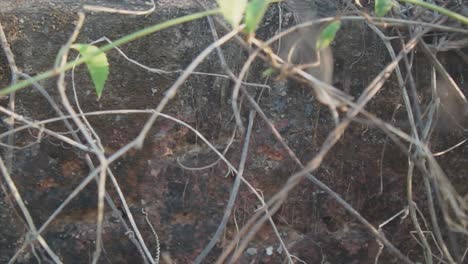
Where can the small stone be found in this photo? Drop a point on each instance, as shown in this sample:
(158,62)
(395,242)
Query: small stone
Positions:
(269,250)
(279,250)
(251,251)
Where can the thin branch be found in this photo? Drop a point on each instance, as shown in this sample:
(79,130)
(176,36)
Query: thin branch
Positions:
(141,245)
(36,125)
(95,8)
(161,71)
(439,9)
(232,196)
(443,152)
(25,211)
(11,104)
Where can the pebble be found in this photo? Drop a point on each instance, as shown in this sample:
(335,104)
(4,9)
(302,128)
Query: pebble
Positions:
(269,250)
(251,251)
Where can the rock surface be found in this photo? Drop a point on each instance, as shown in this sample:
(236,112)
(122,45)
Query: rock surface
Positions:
(186,206)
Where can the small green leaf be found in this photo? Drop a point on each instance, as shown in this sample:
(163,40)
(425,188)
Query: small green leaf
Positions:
(382,7)
(327,35)
(232,10)
(254,14)
(269,72)
(98,66)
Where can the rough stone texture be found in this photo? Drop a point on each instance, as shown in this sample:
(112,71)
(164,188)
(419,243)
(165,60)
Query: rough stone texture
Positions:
(186,206)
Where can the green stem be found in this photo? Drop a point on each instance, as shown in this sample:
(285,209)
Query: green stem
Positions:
(126,39)
(439,9)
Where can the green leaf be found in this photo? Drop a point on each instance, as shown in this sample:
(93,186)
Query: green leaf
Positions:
(269,72)
(98,66)
(382,7)
(327,35)
(254,14)
(232,10)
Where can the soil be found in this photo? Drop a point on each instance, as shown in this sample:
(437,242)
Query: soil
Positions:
(186,206)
